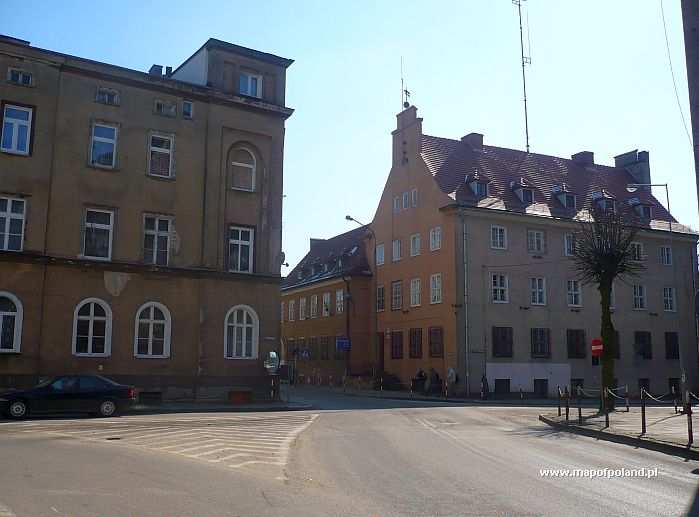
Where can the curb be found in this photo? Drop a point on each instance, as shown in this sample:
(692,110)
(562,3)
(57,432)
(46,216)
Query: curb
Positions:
(470,402)
(232,409)
(664,447)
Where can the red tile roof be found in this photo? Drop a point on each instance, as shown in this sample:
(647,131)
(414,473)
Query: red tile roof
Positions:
(348,246)
(451,161)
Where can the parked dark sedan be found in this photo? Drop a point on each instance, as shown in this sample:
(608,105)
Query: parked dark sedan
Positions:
(69,394)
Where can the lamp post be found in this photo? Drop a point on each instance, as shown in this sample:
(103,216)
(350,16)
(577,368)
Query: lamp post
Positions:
(374,279)
(633,187)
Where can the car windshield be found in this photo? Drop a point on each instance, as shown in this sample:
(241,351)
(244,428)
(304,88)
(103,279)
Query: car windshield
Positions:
(45,382)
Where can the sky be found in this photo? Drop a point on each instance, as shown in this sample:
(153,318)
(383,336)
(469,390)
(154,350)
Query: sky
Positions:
(599,81)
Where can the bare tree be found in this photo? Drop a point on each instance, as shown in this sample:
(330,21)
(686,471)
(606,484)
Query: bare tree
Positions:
(604,253)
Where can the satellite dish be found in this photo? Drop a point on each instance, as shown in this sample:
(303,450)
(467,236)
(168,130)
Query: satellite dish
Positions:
(272,362)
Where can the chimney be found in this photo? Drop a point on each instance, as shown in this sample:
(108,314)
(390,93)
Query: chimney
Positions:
(315,242)
(407,138)
(168,71)
(475,140)
(584,158)
(156,70)
(637,163)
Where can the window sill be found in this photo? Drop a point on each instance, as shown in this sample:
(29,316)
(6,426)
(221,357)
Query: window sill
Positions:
(500,301)
(538,305)
(435,303)
(8,351)
(240,358)
(141,356)
(238,189)
(97,166)
(90,355)
(14,153)
(161,178)
(240,272)
(97,259)
(436,249)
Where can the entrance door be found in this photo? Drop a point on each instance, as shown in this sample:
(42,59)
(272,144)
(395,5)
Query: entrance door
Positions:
(541,388)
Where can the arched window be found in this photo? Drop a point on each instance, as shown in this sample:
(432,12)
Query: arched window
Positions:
(241,333)
(11,313)
(243,168)
(152,332)
(92,328)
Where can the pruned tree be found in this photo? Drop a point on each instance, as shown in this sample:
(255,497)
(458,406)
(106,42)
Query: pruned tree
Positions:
(603,254)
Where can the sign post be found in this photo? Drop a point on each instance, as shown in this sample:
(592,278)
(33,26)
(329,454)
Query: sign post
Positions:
(597,349)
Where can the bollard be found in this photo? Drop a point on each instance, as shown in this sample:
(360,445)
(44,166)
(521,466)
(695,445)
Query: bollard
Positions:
(521,394)
(690,430)
(643,413)
(381,387)
(567,406)
(606,407)
(627,398)
(580,420)
(446,390)
(559,401)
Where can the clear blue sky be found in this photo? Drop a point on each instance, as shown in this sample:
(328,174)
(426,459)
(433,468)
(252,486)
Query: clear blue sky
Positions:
(599,81)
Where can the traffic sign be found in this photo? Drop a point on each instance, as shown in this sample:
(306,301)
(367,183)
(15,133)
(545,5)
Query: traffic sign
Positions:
(597,347)
(342,343)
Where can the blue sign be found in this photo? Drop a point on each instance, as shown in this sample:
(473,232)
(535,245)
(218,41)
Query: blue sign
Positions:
(342,343)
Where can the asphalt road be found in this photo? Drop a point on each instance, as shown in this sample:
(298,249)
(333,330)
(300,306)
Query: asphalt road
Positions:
(353,456)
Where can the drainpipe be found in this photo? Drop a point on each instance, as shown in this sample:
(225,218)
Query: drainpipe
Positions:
(467,344)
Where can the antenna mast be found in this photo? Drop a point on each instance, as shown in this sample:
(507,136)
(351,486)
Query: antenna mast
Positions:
(526,60)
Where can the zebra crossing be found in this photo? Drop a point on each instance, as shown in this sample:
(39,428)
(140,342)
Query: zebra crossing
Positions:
(233,441)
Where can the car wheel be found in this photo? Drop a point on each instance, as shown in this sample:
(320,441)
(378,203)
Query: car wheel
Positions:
(107,408)
(18,409)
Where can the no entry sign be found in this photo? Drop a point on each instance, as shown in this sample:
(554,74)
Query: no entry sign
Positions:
(597,347)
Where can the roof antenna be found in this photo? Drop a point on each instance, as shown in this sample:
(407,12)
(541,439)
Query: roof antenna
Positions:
(404,93)
(526,60)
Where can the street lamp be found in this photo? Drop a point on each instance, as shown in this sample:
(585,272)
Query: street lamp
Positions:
(633,187)
(375,280)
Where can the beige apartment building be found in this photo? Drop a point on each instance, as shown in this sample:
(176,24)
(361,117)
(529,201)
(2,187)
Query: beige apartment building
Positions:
(140,217)
(474,272)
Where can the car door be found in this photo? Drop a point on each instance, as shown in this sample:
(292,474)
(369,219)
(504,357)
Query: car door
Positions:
(58,397)
(91,393)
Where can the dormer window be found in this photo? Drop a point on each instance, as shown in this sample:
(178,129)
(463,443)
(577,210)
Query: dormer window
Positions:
(564,196)
(644,211)
(527,196)
(569,201)
(251,84)
(478,184)
(604,201)
(523,191)
(480,188)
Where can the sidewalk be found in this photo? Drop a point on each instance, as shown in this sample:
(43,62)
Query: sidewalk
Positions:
(203,406)
(665,430)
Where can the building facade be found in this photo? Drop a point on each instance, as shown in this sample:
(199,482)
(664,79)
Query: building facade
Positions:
(474,270)
(140,217)
(326,298)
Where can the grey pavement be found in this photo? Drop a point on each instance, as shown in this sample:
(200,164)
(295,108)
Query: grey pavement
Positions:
(349,456)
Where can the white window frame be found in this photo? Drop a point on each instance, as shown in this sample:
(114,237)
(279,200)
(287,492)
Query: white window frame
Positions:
(395,250)
(339,301)
(397,294)
(255,333)
(107,328)
(191,110)
(639,297)
(292,310)
(302,309)
(170,152)
(19,317)
(165,108)
(666,255)
(16,123)
(574,292)
(536,241)
(435,238)
(8,215)
(157,233)
(415,292)
(98,226)
(496,242)
(167,332)
(314,306)
(251,249)
(325,309)
(569,244)
(250,75)
(537,291)
(413,197)
(435,288)
(669,299)
(253,170)
(500,291)
(101,90)
(415,245)
(380,254)
(530,194)
(637,251)
(21,73)
(396,204)
(113,141)
(406,200)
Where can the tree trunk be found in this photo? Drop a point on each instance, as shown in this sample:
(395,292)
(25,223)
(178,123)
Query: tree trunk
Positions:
(608,340)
